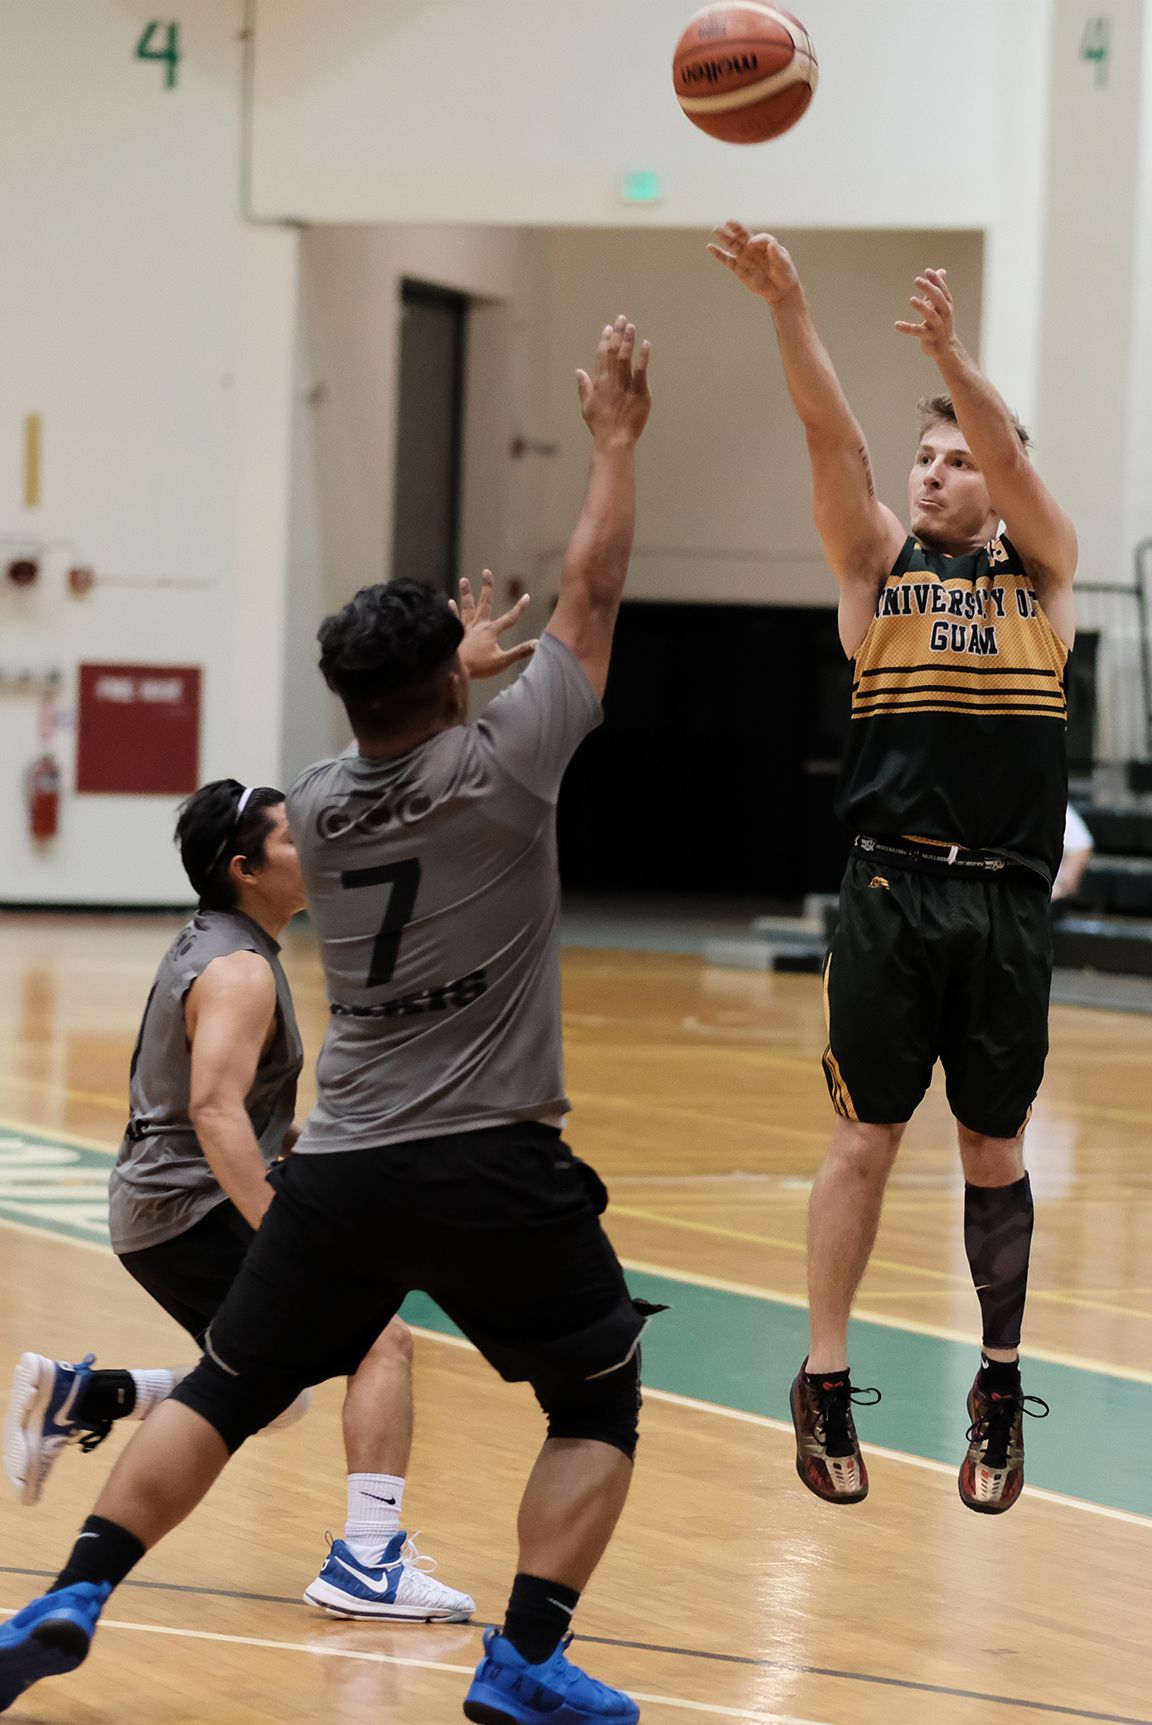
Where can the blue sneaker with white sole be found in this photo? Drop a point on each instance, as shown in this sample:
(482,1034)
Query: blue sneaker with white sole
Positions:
(402,1589)
(41,1420)
(49,1637)
(506,1690)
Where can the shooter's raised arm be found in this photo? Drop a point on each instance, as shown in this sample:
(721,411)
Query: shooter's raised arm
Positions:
(1033,520)
(861,537)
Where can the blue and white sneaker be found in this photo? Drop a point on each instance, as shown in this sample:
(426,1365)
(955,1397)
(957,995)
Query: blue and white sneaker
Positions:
(41,1419)
(506,1690)
(402,1590)
(49,1637)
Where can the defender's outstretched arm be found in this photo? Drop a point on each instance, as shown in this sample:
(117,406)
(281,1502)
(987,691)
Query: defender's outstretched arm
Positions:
(615,403)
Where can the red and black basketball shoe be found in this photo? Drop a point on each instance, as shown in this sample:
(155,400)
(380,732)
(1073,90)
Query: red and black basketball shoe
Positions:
(992,1473)
(828,1457)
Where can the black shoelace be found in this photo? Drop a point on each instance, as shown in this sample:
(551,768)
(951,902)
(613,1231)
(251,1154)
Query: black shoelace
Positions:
(94,1436)
(834,1427)
(995,1430)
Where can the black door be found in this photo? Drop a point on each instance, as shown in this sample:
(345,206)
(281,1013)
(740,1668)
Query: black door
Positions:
(426,518)
(715,768)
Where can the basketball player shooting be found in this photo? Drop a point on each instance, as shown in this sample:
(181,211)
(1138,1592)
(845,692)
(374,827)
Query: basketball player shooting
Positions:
(953,786)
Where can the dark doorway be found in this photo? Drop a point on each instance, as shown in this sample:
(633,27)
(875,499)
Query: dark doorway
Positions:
(426,518)
(715,768)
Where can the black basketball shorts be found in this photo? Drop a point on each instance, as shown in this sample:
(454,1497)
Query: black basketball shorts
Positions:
(501,1227)
(926,967)
(191,1274)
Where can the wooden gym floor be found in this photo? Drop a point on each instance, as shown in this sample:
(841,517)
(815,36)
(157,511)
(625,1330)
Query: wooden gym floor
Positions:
(730,1593)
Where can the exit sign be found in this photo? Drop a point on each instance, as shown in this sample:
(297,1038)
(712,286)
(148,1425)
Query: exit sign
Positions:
(642,186)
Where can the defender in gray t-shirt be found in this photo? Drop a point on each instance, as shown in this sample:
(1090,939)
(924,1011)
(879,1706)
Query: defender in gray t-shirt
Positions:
(163,1183)
(433,1159)
(433,892)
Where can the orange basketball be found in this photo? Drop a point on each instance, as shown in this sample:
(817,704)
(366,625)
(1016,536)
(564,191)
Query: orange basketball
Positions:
(744,72)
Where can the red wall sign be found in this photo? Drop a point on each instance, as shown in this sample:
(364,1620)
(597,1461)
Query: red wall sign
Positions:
(138,729)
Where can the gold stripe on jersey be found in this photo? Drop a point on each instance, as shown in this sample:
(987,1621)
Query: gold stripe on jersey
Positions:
(976,641)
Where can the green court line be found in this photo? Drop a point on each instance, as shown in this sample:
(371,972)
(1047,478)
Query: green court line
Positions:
(742,1351)
(737,1350)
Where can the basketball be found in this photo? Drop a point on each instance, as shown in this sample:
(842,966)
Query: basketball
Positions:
(744,73)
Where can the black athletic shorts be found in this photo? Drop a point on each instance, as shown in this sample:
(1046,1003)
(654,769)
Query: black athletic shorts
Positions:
(501,1227)
(926,967)
(191,1274)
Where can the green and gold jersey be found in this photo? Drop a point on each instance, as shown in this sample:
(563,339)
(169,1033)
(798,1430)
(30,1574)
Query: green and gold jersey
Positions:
(959,709)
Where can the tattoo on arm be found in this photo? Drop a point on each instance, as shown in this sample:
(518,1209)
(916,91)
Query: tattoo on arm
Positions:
(867,470)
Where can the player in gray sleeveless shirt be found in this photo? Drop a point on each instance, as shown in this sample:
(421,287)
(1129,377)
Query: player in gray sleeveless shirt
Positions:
(433,1159)
(212,1101)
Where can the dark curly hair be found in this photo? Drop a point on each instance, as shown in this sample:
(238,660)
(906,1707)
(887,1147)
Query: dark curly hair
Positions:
(210,835)
(386,652)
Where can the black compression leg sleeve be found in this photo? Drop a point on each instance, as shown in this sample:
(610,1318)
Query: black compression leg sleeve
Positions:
(235,1407)
(606,1409)
(998,1240)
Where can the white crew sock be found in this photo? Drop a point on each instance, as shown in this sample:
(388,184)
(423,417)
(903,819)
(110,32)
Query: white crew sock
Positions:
(374,1504)
(154,1387)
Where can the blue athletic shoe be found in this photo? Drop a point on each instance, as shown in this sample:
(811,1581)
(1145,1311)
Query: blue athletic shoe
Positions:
(49,1637)
(506,1690)
(41,1420)
(402,1589)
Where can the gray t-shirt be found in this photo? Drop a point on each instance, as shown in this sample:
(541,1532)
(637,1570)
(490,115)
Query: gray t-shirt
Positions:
(434,896)
(162,1184)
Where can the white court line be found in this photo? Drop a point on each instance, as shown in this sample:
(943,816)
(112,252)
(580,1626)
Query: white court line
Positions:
(319,1651)
(768,1424)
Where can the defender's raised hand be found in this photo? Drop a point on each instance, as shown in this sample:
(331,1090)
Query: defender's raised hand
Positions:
(615,400)
(758,260)
(480,651)
(936,333)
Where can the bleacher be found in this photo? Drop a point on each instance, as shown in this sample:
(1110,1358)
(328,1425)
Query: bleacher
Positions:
(1108,925)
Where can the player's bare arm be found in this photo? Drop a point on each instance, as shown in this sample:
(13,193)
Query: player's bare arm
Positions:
(480,651)
(230,1015)
(1036,524)
(615,403)
(860,535)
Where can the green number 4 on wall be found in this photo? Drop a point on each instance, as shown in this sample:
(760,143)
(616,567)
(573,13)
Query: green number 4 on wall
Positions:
(169,53)
(1096,46)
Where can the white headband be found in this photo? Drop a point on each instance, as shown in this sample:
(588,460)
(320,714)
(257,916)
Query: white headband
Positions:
(241,805)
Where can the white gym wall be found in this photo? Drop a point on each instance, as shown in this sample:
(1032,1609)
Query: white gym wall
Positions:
(218,391)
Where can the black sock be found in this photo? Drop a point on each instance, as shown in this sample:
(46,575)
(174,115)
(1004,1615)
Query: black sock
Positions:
(107,1396)
(998,1241)
(539,1616)
(999,1375)
(826,1380)
(104,1551)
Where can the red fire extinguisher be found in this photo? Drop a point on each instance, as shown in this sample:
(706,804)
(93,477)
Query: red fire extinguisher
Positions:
(43,783)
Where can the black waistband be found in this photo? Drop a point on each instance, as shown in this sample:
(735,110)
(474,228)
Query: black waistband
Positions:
(942,859)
